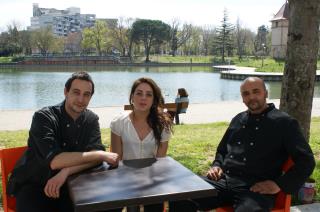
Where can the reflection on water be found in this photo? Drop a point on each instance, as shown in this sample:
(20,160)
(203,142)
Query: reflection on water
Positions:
(31,89)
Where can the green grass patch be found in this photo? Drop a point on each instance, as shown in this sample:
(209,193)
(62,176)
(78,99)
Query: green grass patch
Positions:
(175,59)
(5,59)
(192,145)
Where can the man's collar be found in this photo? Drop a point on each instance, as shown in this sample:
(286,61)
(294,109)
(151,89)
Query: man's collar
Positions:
(266,110)
(67,116)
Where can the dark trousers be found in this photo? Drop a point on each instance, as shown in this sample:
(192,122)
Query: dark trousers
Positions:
(231,192)
(31,198)
(146,208)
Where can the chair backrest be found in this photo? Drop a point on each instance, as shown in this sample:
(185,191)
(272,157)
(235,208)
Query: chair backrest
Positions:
(283,200)
(9,158)
(182,105)
(169,106)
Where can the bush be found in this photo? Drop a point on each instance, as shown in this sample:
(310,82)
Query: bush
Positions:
(17,59)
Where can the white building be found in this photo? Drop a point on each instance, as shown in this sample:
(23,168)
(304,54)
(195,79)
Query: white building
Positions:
(279,32)
(62,21)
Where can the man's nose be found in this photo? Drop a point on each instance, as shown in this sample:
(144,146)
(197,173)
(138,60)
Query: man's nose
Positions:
(252,96)
(80,98)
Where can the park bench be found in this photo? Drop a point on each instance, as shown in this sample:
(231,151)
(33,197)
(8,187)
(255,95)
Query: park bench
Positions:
(171,108)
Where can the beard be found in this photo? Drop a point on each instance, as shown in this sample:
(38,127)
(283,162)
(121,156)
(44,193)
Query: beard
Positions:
(255,105)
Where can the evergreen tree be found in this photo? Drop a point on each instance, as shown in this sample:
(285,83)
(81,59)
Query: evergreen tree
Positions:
(224,39)
(260,41)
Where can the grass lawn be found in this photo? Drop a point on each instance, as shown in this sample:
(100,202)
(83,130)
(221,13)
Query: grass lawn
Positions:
(5,59)
(192,145)
(269,64)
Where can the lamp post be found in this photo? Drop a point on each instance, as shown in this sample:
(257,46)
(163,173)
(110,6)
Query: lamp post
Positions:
(263,51)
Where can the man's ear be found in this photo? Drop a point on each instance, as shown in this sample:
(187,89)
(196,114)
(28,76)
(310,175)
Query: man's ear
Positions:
(267,94)
(65,92)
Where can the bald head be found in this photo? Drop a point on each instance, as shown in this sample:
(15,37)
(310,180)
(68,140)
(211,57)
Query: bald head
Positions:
(254,94)
(253,80)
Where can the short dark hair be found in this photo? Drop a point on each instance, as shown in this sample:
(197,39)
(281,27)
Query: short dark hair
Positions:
(81,75)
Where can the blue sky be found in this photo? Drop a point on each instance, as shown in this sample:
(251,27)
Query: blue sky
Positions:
(252,13)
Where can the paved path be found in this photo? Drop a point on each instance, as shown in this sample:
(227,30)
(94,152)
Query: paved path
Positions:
(196,113)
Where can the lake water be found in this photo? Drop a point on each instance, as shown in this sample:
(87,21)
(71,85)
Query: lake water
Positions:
(31,89)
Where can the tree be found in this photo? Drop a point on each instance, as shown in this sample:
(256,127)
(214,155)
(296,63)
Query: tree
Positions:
(121,35)
(150,32)
(4,50)
(261,39)
(208,34)
(43,39)
(179,37)
(96,37)
(240,39)
(193,45)
(26,41)
(13,43)
(224,41)
(72,43)
(300,69)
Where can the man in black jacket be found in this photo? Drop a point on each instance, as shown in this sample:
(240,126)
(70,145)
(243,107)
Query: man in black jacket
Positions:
(247,168)
(63,139)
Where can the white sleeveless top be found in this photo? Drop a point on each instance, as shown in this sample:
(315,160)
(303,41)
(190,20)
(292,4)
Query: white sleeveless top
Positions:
(132,146)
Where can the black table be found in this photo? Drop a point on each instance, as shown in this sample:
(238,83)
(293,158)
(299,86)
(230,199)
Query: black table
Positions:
(135,182)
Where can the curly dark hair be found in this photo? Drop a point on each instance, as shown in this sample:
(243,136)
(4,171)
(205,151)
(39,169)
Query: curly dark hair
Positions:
(157,118)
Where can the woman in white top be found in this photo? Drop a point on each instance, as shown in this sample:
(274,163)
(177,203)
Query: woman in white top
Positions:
(144,132)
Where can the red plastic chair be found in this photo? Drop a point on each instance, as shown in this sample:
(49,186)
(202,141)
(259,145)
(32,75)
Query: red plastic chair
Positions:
(283,200)
(9,158)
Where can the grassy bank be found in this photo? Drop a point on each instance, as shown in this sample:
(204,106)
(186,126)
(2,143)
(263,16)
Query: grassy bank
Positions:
(192,145)
(269,64)
(5,59)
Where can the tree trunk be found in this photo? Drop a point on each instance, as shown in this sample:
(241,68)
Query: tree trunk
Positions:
(147,54)
(300,69)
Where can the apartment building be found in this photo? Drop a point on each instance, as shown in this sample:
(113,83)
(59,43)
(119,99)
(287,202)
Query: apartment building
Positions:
(62,22)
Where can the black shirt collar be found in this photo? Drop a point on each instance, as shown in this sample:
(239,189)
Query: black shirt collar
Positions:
(67,117)
(263,113)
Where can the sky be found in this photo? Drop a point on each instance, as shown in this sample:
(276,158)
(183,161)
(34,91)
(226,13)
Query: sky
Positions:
(251,13)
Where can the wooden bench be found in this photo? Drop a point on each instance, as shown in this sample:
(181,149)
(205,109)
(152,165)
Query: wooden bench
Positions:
(171,108)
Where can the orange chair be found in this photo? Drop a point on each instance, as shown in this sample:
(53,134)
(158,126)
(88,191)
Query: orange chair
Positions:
(283,200)
(9,158)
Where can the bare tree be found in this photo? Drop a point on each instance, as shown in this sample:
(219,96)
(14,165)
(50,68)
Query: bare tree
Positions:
(241,35)
(300,69)
(207,37)
(43,39)
(120,34)
(179,36)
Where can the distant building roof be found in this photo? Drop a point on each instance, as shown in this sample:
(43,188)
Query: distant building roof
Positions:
(283,13)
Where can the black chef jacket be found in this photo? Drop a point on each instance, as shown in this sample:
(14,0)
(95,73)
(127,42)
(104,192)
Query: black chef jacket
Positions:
(255,147)
(53,131)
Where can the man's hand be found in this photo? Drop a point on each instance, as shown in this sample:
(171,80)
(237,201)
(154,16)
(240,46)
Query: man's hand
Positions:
(52,188)
(265,187)
(111,158)
(214,173)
